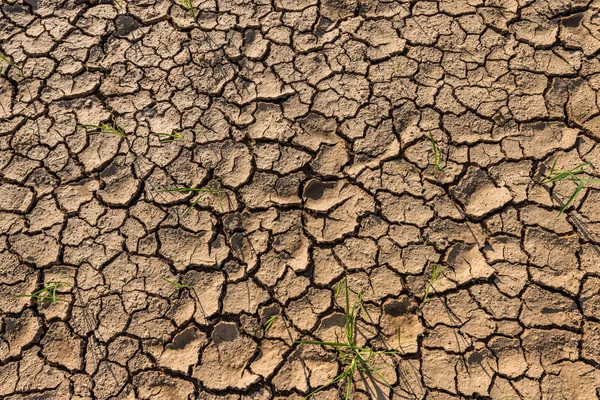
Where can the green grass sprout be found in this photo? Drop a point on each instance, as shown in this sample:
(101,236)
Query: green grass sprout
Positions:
(189,6)
(105,129)
(269,323)
(572,175)
(437,155)
(167,137)
(176,284)
(355,358)
(432,281)
(5,59)
(203,192)
(47,293)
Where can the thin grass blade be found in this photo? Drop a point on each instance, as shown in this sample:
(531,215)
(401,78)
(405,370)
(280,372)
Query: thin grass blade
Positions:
(573,196)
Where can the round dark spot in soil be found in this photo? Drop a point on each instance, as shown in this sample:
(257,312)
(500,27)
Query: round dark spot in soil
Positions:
(324,23)
(336,320)
(237,241)
(397,308)
(125,25)
(315,189)
(233,222)
(250,37)
(573,21)
(110,170)
(475,358)
(217,243)
(225,333)
(183,339)
(547,310)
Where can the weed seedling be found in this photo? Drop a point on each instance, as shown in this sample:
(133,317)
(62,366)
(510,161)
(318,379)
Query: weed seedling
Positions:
(105,129)
(355,358)
(47,293)
(437,156)
(6,60)
(270,322)
(167,137)
(202,193)
(176,284)
(432,281)
(562,175)
(189,6)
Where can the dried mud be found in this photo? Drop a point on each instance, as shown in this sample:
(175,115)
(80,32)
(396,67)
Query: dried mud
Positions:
(314,120)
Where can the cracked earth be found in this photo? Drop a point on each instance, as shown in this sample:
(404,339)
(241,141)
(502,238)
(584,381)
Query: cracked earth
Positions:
(313,120)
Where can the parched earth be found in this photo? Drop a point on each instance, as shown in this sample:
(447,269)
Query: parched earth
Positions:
(309,128)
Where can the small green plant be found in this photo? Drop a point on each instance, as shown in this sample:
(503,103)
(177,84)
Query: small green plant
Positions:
(432,281)
(229,35)
(270,322)
(202,131)
(189,6)
(48,292)
(355,358)
(204,191)
(10,63)
(572,175)
(167,137)
(105,129)
(176,284)
(437,156)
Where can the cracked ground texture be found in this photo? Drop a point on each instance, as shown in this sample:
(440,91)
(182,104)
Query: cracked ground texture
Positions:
(313,120)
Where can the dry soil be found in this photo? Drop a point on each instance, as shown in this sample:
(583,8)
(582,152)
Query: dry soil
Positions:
(312,121)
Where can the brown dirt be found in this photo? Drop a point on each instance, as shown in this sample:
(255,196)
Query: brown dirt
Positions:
(315,119)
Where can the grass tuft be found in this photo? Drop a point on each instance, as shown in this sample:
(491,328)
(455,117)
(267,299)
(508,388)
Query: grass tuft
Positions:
(105,129)
(189,6)
(572,175)
(6,60)
(202,193)
(47,293)
(432,281)
(269,323)
(355,358)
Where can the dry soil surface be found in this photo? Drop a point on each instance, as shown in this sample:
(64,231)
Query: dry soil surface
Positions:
(311,122)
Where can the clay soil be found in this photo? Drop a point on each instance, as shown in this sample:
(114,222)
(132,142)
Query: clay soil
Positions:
(308,129)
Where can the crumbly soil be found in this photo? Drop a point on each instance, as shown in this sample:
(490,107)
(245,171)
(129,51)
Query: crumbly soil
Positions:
(313,120)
